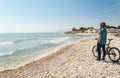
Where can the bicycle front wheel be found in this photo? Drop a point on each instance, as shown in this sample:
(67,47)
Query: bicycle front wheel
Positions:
(114,54)
(94,51)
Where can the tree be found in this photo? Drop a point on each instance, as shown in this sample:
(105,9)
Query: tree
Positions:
(118,27)
(114,27)
(82,28)
(107,27)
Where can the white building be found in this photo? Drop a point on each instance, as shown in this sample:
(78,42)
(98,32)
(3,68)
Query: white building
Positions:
(91,30)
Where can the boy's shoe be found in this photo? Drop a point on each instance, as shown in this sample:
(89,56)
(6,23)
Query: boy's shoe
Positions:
(103,59)
(97,59)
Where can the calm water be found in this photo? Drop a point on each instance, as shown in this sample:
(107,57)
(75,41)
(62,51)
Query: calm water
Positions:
(15,47)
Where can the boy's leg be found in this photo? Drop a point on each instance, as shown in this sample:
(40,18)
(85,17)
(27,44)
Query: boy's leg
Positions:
(99,51)
(104,52)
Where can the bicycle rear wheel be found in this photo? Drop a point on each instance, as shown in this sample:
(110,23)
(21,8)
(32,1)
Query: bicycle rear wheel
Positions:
(94,51)
(114,54)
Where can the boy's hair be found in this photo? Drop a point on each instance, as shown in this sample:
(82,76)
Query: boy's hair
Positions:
(103,24)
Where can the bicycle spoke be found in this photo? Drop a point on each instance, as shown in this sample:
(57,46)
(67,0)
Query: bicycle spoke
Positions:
(114,54)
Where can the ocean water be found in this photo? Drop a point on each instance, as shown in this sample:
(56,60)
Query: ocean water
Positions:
(19,48)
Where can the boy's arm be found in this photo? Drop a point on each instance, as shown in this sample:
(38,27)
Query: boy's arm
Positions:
(98,37)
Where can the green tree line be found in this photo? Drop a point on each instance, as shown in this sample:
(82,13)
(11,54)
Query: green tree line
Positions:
(109,27)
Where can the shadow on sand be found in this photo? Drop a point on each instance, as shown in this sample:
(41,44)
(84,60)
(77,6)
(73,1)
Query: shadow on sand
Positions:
(118,63)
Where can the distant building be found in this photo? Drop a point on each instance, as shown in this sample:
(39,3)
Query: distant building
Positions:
(91,30)
(73,29)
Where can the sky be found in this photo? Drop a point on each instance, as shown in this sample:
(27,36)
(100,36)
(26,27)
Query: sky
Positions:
(56,15)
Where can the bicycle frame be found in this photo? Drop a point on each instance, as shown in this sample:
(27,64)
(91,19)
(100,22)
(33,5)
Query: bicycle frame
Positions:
(108,46)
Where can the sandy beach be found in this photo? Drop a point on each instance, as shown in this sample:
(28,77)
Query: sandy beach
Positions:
(71,61)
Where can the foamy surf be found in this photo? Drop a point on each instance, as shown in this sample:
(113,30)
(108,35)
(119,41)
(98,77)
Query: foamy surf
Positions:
(56,40)
(7,53)
(6,43)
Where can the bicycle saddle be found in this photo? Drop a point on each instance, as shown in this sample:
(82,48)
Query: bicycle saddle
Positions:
(110,39)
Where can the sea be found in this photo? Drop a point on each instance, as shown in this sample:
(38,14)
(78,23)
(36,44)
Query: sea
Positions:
(17,49)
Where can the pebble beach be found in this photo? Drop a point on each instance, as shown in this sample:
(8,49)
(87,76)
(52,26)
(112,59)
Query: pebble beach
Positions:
(70,61)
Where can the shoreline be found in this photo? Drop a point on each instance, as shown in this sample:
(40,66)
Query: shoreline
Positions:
(66,60)
(48,54)
(41,55)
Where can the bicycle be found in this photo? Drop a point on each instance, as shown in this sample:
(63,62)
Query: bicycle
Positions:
(112,52)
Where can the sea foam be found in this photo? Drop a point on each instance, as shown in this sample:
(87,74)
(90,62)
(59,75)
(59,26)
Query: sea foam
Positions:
(55,40)
(7,53)
(6,43)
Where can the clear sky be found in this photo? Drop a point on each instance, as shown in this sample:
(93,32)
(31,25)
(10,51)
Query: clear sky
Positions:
(56,15)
